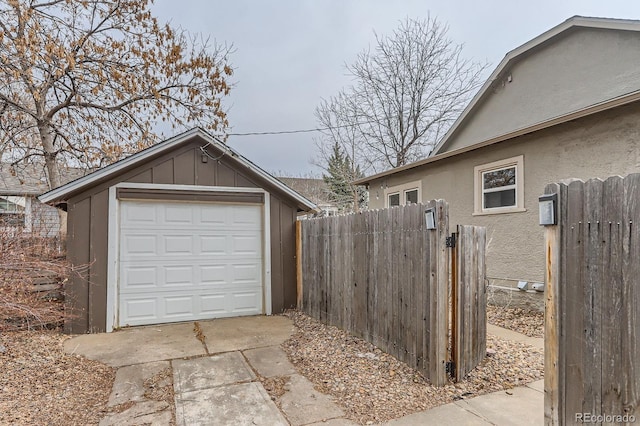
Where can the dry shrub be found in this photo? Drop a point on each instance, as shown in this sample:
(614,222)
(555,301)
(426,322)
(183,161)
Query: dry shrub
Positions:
(29,263)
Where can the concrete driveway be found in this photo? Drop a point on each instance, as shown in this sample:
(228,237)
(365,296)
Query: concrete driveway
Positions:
(216,368)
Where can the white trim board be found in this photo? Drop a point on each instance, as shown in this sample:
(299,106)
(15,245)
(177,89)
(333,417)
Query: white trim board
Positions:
(113,242)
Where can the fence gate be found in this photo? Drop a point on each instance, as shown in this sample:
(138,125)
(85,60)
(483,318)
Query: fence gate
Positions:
(592,309)
(468,299)
(383,275)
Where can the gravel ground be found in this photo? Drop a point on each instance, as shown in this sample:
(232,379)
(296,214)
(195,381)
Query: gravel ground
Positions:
(530,323)
(42,385)
(372,386)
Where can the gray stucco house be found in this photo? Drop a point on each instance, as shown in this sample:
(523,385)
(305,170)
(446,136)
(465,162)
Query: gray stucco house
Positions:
(564,105)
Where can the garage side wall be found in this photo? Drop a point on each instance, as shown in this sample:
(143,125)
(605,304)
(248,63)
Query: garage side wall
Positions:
(88,231)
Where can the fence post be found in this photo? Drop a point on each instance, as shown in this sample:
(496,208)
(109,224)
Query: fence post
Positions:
(552,341)
(299,287)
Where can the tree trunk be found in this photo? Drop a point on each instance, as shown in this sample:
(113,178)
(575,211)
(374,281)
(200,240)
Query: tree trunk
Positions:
(53,174)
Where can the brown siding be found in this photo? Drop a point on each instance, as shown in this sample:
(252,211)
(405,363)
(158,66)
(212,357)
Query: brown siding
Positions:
(78,223)
(184,170)
(88,227)
(98,256)
(163,172)
(277,288)
(288,234)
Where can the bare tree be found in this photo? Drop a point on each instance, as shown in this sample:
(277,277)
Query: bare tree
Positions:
(341,151)
(406,93)
(85,82)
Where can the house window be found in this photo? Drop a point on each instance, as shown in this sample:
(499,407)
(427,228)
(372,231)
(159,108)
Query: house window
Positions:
(399,195)
(499,186)
(12,210)
(411,196)
(394,199)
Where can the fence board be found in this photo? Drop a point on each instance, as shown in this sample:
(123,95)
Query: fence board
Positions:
(471,316)
(382,276)
(592,324)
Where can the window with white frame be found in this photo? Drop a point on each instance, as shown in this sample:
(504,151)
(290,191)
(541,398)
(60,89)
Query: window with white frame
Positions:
(12,210)
(399,195)
(499,186)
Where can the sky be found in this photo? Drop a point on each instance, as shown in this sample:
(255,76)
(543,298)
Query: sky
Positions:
(290,54)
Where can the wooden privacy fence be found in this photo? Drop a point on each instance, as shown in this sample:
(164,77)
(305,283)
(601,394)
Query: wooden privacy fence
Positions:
(384,277)
(592,320)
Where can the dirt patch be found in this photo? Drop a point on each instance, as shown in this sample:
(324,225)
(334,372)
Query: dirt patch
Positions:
(529,323)
(371,386)
(275,386)
(40,384)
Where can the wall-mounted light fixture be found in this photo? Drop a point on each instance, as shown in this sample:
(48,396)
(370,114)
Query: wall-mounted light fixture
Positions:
(548,205)
(430,218)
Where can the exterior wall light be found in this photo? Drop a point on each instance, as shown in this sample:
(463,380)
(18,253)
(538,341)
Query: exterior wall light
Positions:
(548,205)
(430,218)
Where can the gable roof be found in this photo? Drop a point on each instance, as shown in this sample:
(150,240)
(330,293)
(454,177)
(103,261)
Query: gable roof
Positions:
(63,192)
(526,49)
(571,24)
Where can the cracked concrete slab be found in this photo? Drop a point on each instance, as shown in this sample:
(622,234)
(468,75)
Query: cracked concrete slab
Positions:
(138,345)
(334,422)
(449,414)
(537,385)
(302,404)
(521,406)
(271,361)
(208,372)
(241,333)
(129,382)
(237,404)
(153,413)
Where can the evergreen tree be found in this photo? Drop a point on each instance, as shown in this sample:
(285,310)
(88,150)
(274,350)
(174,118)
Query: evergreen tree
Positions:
(341,172)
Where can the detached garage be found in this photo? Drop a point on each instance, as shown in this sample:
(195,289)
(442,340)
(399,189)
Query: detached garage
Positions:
(185,230)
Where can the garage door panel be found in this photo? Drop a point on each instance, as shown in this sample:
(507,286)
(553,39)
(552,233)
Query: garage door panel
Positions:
(213,244)
(140,310)
(139,277)
(244,302)
(192,261)
(177,213)
(245,245)
(178,244)
(178,276)
(245,274)
(178,306)
(214,215)
(140,213)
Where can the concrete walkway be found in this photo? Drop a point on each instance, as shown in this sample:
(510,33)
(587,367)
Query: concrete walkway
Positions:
(523,405)
(216,369)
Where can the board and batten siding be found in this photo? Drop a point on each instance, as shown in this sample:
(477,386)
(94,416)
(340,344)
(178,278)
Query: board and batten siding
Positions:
(88,228)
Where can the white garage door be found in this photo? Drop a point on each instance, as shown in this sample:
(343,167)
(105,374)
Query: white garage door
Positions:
(182,261)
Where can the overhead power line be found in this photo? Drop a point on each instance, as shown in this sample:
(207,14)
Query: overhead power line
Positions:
(286,132)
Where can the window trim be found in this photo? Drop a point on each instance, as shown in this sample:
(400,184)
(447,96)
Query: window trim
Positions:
(401,190)
(478,172)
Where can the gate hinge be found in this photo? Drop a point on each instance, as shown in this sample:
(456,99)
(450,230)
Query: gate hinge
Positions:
(450,368)
(451,241)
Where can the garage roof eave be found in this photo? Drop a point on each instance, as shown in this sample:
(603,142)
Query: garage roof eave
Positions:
(64,192)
